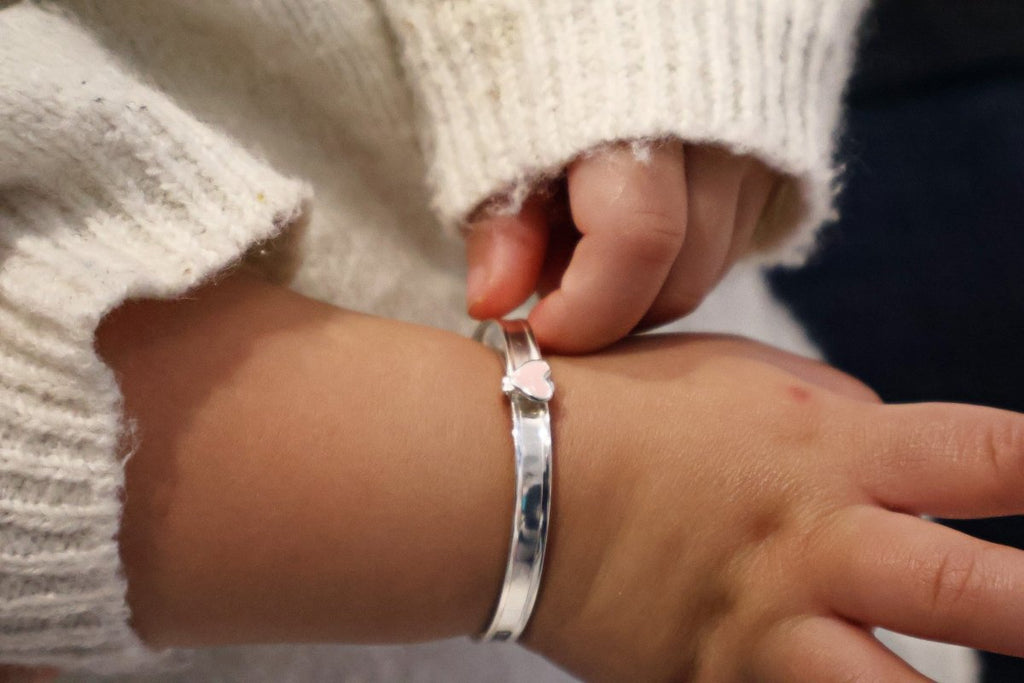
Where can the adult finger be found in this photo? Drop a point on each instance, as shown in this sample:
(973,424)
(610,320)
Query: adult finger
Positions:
(713,180)
(504,255)
(822,649)
(917,577)
(945,460)
(631,215)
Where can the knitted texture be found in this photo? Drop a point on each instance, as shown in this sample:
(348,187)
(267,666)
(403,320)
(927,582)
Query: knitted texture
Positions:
(317,88)
(513,90)
(116,185)
(107,191)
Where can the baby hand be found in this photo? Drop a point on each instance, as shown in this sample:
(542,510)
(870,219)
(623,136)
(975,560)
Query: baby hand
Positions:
(638,238)
(747,515)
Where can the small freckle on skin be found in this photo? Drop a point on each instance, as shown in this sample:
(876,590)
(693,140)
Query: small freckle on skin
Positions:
(798,394)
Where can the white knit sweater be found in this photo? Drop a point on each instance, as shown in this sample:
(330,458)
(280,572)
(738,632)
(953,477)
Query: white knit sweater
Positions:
(146,145)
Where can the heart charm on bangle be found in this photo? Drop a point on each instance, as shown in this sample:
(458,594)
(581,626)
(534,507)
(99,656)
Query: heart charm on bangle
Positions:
(532,379)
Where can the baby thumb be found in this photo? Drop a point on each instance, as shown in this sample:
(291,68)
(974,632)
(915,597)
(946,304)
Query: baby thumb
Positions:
(504,255)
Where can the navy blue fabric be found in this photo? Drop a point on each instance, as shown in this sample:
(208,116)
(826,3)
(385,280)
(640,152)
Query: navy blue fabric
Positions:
(919,289)
(915,44)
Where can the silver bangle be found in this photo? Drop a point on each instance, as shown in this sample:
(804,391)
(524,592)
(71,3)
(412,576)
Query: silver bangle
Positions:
(527,383)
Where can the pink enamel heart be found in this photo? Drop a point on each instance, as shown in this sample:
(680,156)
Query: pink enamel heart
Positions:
(533,379)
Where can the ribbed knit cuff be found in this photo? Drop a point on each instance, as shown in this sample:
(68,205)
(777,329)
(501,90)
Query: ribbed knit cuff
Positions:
(107,192)
(514,90)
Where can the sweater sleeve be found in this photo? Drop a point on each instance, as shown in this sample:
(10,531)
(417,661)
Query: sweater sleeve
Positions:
(107,191)
(511,91)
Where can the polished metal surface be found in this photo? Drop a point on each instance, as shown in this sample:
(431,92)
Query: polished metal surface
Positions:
(527,383)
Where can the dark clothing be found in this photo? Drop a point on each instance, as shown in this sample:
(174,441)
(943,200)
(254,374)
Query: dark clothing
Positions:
(912,45)
(919,288)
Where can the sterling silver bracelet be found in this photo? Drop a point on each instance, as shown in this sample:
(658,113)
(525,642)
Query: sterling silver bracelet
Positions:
(527,383)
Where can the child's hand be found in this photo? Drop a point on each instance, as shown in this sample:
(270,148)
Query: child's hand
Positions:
(638,241)
(727,512)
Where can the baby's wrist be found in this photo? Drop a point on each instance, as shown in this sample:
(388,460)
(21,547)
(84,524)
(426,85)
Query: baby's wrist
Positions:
(590,484)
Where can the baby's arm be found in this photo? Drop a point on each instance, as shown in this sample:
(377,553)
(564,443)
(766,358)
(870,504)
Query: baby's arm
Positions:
(522,96)
(308,474)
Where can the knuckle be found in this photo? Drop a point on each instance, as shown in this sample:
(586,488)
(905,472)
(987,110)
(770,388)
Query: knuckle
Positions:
(1002,445)
(653,237)
(953,580)
(831,529)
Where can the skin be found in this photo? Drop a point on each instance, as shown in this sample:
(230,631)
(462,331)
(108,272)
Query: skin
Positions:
(722,511)
(19,674)
(625,244)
